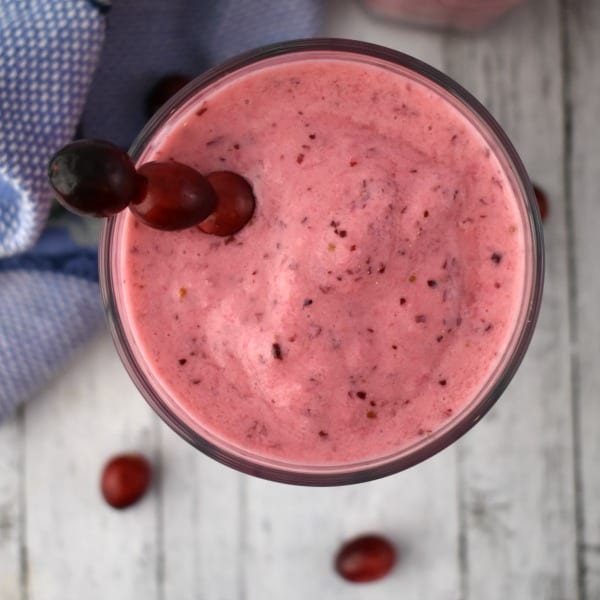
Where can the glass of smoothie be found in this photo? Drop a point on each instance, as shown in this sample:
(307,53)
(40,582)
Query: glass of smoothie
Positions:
(468,15)
(383,293)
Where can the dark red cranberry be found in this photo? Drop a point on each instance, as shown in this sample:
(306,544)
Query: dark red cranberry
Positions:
(125,479)
(164,88)
(176,196)
(78,135)
(365,558)
(542,201)
(235,204)
(93,178)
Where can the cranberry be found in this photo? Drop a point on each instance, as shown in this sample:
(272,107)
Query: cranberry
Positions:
(176,196)
(163,90)
(235,204)
(542,201)
(125,479)
(365,558)
(94,178)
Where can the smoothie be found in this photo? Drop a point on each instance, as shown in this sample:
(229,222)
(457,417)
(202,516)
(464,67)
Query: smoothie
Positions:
(460,14)
(373,293)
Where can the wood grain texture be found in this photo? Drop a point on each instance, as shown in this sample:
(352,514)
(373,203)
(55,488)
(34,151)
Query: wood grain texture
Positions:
(77,546)
(518,462)
(12,524)
(582,96)
(203,524)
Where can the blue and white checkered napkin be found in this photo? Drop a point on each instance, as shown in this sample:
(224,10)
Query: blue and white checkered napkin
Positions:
(49,297)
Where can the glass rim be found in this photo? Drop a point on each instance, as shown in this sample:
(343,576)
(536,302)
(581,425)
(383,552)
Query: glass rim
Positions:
(452,430)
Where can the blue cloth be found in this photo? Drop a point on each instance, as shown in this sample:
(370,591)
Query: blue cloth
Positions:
(70,62)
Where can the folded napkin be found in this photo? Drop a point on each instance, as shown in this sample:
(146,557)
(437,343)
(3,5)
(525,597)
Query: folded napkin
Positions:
(65,63)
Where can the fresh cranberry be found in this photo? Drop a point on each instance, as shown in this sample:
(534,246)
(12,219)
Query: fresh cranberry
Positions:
(176,196)
(165,88)
(365,558)
(542,201)
(125,479)
(235,204)
(94,178)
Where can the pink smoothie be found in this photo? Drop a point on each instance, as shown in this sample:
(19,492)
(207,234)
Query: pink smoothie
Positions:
(375,288)
(462,14)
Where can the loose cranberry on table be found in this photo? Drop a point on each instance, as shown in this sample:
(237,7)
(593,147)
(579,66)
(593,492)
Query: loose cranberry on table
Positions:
(542,201)
(165,88)
(366,558)
(125,479)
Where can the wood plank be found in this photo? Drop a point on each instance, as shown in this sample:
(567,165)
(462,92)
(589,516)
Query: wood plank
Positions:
(517,465)
(12,569)
(78,547)
(583,175)
(204,510)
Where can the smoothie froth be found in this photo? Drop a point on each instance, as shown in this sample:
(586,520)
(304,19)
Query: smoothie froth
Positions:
(373,292)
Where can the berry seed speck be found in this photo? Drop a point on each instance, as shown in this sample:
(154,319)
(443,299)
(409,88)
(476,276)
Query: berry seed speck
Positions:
(276,351)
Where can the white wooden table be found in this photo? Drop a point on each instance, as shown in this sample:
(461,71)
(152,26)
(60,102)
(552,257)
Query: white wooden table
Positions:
(510,512)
